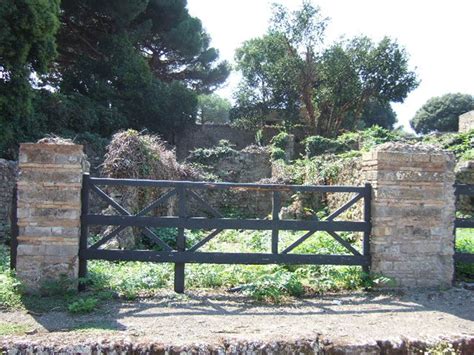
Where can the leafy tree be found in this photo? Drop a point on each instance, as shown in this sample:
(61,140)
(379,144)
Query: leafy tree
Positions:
(441,113)
(213,108)
(378,113)
(267,86)
(27,45)
(137,63)
(357,74)
(288,71)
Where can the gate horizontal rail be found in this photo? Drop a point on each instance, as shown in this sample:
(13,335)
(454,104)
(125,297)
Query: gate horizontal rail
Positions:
(185,191)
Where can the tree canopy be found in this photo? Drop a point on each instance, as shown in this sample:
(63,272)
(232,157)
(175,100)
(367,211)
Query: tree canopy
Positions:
(27,43)
(119,64)
(213,109)
(289,72)
(442,113)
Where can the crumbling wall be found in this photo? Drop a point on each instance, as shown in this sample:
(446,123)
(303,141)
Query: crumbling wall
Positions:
(8,173)
(465,175)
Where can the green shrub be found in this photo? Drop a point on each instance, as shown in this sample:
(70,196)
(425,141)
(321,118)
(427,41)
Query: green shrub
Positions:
(376,135)
(280,140)
(465,244)
(277,154)
(10,286)
(10,291)
(83,305)
(64,286)
(206,156)
(274,287)
(317,145)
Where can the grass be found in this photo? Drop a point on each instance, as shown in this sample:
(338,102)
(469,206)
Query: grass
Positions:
(12,329)
(132,280)
(465,244)
(260,282)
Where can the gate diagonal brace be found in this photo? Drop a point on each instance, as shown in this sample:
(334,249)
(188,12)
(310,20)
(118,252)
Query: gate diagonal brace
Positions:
(147,232)
(345,207)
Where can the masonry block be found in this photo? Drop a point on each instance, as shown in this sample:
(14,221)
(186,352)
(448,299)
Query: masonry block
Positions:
(49,210)
(413,212)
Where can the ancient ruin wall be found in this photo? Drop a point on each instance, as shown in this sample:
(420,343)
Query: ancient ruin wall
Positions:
(8,171)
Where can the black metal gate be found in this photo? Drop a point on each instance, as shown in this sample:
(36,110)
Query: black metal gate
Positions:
(463,190)
(184,192)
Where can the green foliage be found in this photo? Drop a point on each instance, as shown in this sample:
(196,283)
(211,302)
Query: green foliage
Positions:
(376,135)
(278,146)
(206,156)
(375,113)
(280,140)
(12,329)
(461,144)
(28,33)
(27,44)
(465,244)
(10,291)
(277,153)
(122,64)
(10,286)
(273,287)
(62,286)
(317,145)
(83,305)
(441,113)
(213,109)
(288,75)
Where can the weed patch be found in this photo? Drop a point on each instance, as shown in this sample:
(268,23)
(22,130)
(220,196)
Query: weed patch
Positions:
(12,329)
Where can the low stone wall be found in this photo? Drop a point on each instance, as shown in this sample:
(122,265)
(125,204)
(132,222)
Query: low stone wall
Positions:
(250,164)
(466,122)
(8,172)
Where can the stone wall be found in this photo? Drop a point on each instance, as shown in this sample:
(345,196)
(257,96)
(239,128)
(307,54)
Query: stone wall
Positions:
(208,135)
(49,209)
(466,122)
(8,171)
(412,213)
(249,165)
(465,175)
(350,174)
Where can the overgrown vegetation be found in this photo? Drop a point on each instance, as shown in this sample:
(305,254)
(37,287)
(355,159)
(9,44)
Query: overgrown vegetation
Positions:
(465,244)
(206,156)
(461,144)
(279,145)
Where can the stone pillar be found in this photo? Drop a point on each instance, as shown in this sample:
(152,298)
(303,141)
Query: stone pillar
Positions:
(49,210)
(412,213)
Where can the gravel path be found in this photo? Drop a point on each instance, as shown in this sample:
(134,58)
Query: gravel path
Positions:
(199,317)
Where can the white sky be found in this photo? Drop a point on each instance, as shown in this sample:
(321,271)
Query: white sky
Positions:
(437,34)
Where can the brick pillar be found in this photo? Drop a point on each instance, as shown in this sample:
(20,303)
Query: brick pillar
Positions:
(49,210)
(412,213)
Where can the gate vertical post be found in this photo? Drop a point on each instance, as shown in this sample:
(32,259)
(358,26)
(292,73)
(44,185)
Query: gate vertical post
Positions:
(367,219)
(276,206)
(180,242)
(49,209)
(413,213)
(84,230)
(14,230)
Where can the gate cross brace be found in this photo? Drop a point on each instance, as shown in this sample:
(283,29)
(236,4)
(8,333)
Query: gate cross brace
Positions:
(144,211)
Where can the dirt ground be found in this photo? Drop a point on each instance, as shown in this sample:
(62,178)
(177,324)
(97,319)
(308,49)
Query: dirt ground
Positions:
(200,317)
